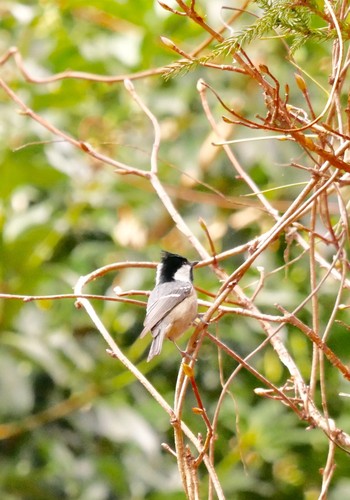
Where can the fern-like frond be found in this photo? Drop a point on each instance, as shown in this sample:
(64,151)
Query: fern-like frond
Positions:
(292,18)
(180,68)
(314,36)
(284,16)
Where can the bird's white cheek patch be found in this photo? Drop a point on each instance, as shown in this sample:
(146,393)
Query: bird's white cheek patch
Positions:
(183,274)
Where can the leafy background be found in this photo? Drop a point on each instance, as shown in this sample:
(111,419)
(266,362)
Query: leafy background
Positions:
(75,423)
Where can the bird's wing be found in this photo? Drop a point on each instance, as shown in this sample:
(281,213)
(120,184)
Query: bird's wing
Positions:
(160,303)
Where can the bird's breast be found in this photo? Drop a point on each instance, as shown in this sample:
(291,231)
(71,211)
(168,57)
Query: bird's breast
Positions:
(180,318)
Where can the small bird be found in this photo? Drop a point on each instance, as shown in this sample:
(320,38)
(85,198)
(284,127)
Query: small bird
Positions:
(172,305)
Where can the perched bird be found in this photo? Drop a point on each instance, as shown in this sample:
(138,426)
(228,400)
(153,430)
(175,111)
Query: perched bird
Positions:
(172,304)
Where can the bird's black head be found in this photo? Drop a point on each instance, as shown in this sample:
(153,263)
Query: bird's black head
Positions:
(174,267)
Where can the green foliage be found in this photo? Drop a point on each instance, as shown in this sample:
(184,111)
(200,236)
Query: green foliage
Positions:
(283,18)
(288,19)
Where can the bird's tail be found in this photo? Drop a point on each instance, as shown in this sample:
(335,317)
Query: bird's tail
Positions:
(156,346)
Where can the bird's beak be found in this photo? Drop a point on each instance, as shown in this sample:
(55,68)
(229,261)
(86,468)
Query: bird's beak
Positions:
(194,263)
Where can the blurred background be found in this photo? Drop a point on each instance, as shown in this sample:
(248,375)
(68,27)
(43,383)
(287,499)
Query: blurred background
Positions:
(74,423)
